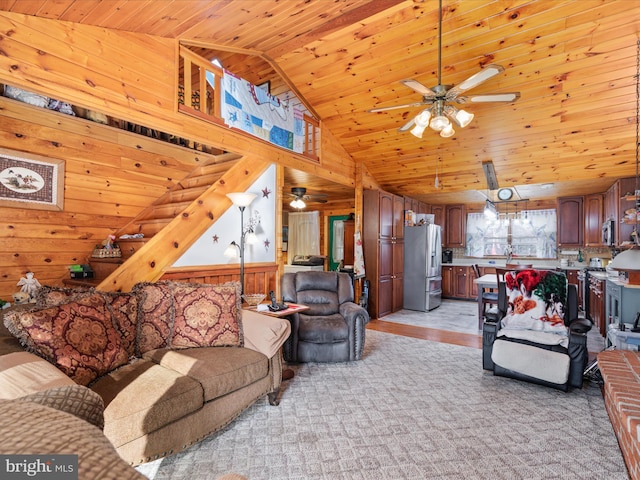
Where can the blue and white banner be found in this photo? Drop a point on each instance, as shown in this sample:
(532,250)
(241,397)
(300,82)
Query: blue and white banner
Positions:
(255,111)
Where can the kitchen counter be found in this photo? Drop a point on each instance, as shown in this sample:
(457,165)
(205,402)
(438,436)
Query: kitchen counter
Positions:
(539,264)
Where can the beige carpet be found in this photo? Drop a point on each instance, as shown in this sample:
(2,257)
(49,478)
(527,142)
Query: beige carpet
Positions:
(411,409)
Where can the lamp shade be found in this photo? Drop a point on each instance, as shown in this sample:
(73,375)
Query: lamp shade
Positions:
(464,118)
(241,199)
(447,132)
(439,122)
(418,130)
(232,250)
(628,262)
(298,203)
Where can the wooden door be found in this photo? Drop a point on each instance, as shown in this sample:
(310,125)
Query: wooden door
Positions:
(398,217)
(386,221)
(438,215)
(571,221)
(447,282)
(593,218)
(460,279)
(455,221)
(398,275)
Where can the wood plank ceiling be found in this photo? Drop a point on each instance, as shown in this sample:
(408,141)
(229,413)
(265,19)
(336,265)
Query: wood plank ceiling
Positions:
(573,61)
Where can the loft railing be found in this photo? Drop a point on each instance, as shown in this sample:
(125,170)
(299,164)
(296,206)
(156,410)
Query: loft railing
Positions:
(197,75)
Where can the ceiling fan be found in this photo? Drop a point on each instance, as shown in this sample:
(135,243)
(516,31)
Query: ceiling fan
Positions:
(439,113)
(299,195)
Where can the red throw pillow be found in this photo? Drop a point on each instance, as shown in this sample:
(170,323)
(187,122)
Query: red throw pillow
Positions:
(77,337)
(207,315)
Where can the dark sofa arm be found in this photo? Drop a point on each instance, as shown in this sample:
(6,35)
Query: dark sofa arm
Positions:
(489,333)
(356,318)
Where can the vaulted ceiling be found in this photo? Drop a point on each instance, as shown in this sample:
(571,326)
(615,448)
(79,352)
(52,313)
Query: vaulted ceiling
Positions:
(573,62)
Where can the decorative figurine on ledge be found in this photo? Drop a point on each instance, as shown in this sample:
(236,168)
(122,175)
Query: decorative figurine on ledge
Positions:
(30,286)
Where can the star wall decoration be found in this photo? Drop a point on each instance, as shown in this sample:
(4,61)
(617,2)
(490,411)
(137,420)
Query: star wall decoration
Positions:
(265,192)
(215,238)
(266,244)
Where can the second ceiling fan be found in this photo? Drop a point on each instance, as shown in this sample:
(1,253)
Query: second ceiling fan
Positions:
(440,114)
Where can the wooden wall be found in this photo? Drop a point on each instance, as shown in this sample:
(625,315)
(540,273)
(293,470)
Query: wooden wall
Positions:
(110,174)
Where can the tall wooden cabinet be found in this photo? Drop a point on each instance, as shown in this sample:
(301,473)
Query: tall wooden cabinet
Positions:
(383,245)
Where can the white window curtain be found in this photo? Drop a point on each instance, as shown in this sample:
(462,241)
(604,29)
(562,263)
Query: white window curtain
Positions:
(338,241)
(304,234)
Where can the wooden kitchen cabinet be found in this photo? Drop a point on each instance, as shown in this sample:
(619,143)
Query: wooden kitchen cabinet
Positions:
(570,220)
(438,216)
(597,309)
(383,246)
(455,223)
(593,218)
(457,282)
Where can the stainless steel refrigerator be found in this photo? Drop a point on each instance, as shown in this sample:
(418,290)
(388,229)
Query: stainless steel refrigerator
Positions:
(422,267)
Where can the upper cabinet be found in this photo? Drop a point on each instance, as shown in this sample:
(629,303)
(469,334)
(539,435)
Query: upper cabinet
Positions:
(570,221)
(455,221)
(593,218)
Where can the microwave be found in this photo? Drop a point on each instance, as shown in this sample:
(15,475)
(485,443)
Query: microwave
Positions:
(607,233)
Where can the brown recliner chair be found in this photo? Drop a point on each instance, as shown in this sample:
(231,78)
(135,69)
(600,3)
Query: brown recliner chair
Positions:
(333,329)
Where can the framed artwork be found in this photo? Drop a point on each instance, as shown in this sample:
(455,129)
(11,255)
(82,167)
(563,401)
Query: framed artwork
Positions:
(31,181)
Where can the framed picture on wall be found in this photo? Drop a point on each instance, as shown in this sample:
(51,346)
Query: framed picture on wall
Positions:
(31,181)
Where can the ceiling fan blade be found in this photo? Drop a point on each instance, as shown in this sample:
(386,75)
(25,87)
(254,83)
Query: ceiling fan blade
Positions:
(408,125)
(494,97)
(406,105)
(418,87)
(474,80)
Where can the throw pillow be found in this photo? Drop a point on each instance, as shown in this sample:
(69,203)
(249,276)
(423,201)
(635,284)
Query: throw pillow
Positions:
(207,315)
(124,312)
(48,296)
(537,300)
(155,315)
(77,337)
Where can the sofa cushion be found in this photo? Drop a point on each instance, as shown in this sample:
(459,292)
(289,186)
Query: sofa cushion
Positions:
(143,396)
(29,428)
(76,399)
(77,337)
(207,315)
(327,329)
(219,370)
(155,315)
(532,361)
(23,373)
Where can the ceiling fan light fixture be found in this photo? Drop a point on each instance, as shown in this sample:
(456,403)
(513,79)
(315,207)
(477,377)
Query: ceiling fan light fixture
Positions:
(440,122)
(447,132)
(463,118)
(418,130)
(298,203)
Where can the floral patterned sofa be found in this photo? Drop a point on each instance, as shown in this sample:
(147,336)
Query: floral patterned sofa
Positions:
(172,362)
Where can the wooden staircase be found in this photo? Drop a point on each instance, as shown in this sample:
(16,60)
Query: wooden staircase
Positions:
(173,222)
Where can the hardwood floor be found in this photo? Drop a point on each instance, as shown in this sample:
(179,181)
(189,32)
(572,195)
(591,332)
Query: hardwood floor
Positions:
(436,335)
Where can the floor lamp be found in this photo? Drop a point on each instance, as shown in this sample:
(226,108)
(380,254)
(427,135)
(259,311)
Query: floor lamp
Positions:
(241,200)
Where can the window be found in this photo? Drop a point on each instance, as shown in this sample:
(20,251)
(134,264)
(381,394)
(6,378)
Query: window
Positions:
(529,233)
